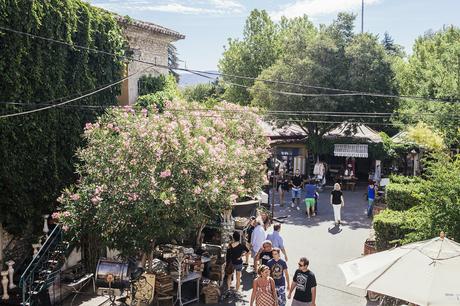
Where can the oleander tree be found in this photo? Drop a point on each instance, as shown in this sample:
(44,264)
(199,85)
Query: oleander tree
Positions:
(147,176)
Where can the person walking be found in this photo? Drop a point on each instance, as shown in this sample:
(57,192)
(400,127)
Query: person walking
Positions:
(283,186)
(277,240)
(235,253)
(371,192)
(279,273)
(296,182)
(304,283)
(248,232)
(310,198)
(337,202)
(265,253)
(257,239)
(263,289)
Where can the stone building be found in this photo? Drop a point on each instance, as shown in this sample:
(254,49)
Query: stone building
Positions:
(148,42)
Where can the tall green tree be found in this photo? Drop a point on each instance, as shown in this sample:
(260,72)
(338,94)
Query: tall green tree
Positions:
(257,50)
(37,150)
(334,57)
(433,71)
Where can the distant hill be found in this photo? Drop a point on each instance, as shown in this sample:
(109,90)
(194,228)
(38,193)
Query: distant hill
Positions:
(188,79)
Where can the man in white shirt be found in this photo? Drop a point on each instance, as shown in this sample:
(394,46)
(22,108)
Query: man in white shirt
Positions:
(257,239)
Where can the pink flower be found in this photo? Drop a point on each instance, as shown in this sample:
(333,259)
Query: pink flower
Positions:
(98,190)
(243,172)
(165,173)
(133,197)
(96,199)
(75,197)
(110,126)
(56,215)
(215,190)
(88,126)
(144,112)
(202,139)
(197,190)
(65,228)
(66,214)
(240,142)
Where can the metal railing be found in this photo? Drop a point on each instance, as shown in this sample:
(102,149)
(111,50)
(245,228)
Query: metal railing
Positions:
(45,266)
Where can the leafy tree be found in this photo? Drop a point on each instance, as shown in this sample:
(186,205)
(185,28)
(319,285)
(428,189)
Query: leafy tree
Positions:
(147,176)
(391,48)
(37,150)
(160,89)
(432,71)
(258,50)
(150,84)
(330,57)
(207,94)
(173,61)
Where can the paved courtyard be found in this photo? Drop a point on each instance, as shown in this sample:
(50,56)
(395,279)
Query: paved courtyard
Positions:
(319,240)
(325,245)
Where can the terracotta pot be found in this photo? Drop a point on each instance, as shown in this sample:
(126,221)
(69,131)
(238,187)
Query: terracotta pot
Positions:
(369,247)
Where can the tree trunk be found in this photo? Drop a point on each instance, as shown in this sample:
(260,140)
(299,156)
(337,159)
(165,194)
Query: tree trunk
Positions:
(198,235)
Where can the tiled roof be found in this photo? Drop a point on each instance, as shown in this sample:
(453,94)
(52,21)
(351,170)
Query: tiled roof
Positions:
(287,131)
(356,130)
(149,26)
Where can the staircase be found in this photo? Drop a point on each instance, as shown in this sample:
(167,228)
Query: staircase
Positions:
(44,268)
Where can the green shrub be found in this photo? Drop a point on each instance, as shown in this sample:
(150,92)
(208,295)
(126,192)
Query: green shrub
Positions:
(149,84)
(401,179)
(400,196)
(389,229)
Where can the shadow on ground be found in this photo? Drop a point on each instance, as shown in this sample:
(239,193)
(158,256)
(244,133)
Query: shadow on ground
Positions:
(353,214)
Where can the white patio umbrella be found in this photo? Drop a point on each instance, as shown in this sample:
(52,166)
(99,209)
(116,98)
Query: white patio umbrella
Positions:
(424,273)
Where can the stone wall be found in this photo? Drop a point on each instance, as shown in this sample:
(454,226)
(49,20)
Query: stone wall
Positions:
(147,46)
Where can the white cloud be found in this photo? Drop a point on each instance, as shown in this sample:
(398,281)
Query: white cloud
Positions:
(318,7)
(227,4)
(203,7)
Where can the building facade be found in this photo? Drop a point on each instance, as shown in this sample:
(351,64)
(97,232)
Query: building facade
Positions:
(148,42)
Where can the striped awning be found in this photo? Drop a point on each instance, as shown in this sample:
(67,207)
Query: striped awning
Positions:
(351,150)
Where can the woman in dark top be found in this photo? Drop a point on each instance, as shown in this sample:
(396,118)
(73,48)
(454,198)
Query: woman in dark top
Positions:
(337,202)
(235,253)
(283,186)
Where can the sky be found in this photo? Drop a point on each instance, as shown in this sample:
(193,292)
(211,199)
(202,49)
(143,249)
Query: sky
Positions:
(207,24)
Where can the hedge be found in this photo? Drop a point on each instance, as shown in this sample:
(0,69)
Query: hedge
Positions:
(403,196)
(389,229)
(401,179)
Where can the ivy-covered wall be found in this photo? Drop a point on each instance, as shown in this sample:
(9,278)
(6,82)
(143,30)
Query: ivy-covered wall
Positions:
(37,150)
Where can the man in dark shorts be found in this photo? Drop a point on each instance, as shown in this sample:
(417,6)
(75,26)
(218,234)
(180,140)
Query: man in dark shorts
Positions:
(297,182)
(304,283)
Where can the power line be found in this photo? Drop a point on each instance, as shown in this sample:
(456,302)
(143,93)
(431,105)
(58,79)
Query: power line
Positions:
(345,92)
(277,114)
(74,99)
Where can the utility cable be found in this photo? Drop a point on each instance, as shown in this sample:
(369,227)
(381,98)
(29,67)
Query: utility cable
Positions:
(74,99)
(202,73)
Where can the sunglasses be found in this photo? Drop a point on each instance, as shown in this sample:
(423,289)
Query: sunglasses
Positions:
(301,264)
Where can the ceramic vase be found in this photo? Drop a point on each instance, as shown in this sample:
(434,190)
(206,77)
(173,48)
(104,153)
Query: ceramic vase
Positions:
(36,247)
(10,264)
(4,275)
(45,225)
